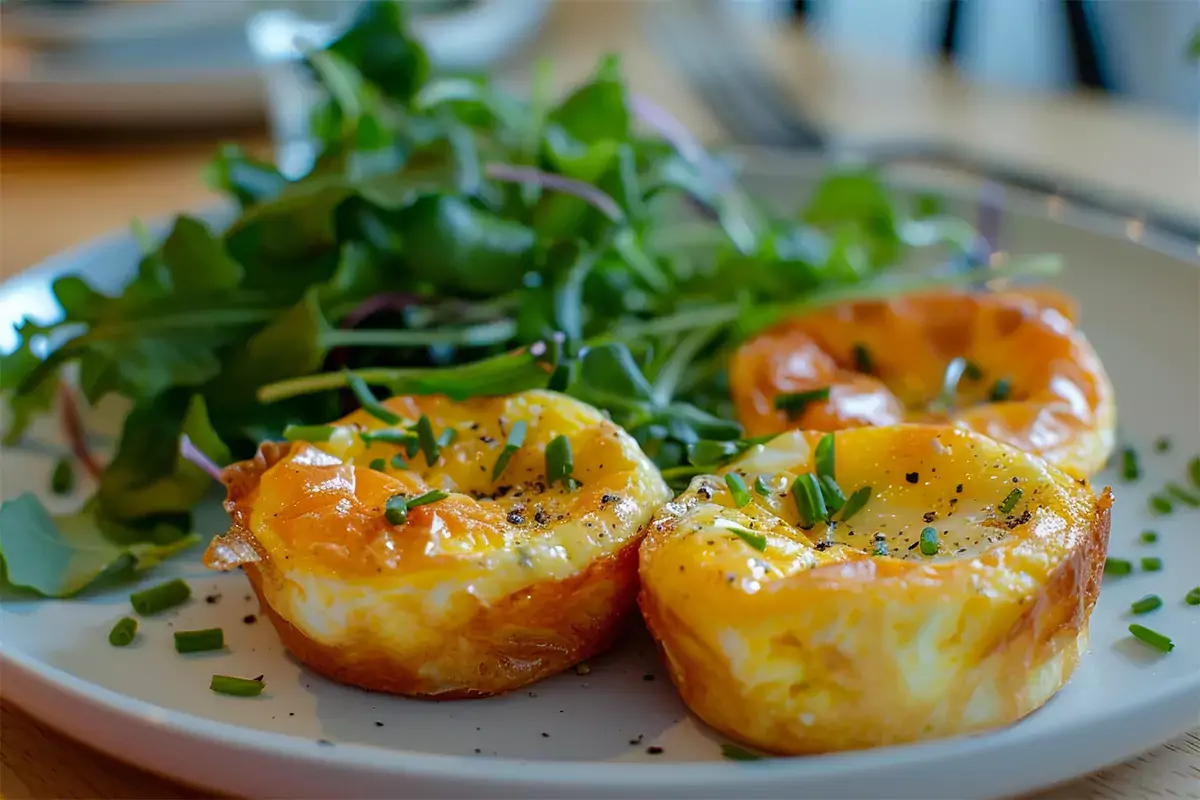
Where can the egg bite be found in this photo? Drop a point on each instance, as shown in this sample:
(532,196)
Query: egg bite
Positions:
(955,598)
(1010,365)
(498,579)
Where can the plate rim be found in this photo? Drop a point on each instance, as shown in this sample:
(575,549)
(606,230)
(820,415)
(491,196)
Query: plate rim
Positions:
(1170,707)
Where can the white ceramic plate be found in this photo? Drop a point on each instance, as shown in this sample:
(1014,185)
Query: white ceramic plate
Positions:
(576,736)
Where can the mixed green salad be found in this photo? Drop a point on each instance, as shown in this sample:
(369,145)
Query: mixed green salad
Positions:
(453,239)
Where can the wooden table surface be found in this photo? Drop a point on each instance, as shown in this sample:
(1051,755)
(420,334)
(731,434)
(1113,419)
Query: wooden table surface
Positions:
(55,194)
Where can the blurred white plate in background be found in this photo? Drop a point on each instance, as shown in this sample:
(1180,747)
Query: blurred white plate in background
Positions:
(187,62)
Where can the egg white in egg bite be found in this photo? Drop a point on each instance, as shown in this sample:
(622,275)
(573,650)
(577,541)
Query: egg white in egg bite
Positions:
(500,583)
(954,600)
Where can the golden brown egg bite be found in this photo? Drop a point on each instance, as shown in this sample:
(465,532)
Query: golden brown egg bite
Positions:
(852,634)
(1010,365)
(500,583)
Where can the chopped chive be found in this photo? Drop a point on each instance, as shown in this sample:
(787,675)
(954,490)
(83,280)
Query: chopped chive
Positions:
(308,433)
(395,510)
(1152,564)
(1148,537)
(123,632)
(560,462)
(761,487)
(1117,566)
(1010,501)
(1182,495)
(1193,597)
(1152,638)
(732,752)
(1130,469)
(1146,604)
(398,462)
(862,359)
(447,437)
(1159,504)
(929,542)
(855,503)
(810,503)
(161,597)
(378,464)
(1162,444)
(1194,471)
(427,441)
(238,687)
(794,403)
(388,436)
(826,456)
(835,500)
(755,540)
(62,479)
(1001,390)
(432,496)
(737,488)
(199,641)
(369,402)
(514,442)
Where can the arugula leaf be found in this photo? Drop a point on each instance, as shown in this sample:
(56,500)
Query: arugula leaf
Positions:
(147,476)
(378,43)
(62,556)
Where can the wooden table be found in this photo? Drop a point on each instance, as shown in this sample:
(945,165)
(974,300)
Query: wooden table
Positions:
(55,196)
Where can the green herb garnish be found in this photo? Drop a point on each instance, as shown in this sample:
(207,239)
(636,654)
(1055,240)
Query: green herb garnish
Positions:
(1182,495)
(369,402)
(161,597)
(1117,566)
(123,632)
(826,456)
(1001,391)
(378,464)
(1159,504)
(1148,537)
(199,641)
(1162,444)
(1010,501)
(810,502)
(396,508)
(879,548)
(761,487)
(237,687)
(513,443)
(855,503)
(755,540)
(1194,471)
(560,463)
(1152,638)
(426,440)
(1130,469)
(1147,604)
(929,542)
(398,462)
(732,752)
(1193,597)
(794,403)
(835,500)
(737,488)
(1152,564)
(62,479)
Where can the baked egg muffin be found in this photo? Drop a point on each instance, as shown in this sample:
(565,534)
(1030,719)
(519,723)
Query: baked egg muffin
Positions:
(1010,365)
(444,549)
(936,583)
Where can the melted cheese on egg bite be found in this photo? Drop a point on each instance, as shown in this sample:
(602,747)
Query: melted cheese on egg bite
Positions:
(815,643)
(499,584)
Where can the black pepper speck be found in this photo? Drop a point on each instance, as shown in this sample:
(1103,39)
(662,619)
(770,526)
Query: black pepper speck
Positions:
(912,477)
(654,750)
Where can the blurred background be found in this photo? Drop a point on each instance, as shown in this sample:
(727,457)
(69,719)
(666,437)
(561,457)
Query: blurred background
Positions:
(110,108)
